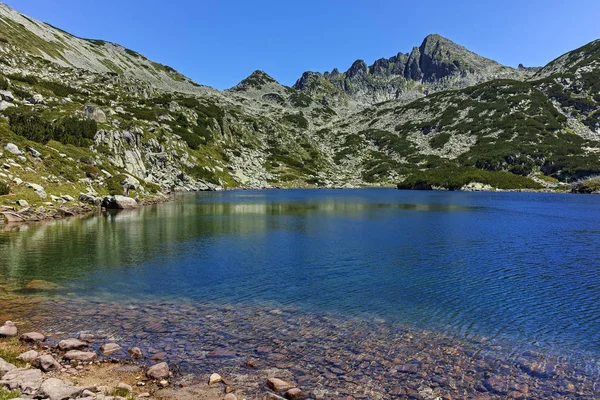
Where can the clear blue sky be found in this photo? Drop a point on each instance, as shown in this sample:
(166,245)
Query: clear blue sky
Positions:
(220,42)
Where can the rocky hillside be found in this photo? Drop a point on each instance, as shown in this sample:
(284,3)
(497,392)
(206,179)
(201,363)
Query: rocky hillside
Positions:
(89,117)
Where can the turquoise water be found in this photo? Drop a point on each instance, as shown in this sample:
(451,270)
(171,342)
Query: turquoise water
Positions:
(519,267)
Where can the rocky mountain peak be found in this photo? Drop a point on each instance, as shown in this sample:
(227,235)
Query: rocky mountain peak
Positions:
(438,63)
(358,68)
(256,80)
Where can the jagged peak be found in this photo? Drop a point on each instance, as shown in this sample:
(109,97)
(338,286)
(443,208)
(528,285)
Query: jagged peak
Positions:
(256,80)
(358,67)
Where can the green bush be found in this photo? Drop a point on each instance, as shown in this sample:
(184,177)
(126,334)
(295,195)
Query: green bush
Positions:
(91,171)
(4,188)
(30,79)
(455,178)
(297,119)
(68,130)
(59,89)
(3,83)
(113,185)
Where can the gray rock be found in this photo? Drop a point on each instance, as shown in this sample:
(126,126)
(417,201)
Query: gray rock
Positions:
(22,203)
(90,199)
(88,337)
(46,363)
(91,112)
(66,197)
(12,148)
(8,329)
(76,355)
(55,389)
(5,367)
(27,381)
(28,356)
(33,337)
(72,344)
(158,371)
(135,352)
(38,189)
(119,203)
(33,152)
(110,348)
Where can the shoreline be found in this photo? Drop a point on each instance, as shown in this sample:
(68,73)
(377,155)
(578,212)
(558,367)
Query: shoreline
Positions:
(323,355)
(10,216)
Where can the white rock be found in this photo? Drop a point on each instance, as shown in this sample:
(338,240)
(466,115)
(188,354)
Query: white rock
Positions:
(39,190)
(8,329)
(37,99)
(13,148)
(6,95)
(4,105)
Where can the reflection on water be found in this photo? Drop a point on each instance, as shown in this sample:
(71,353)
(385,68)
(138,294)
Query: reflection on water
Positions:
(518,267)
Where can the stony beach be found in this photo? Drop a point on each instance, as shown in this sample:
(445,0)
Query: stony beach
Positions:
(251,348)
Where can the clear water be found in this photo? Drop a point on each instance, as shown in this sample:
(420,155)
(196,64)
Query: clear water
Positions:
(507,266)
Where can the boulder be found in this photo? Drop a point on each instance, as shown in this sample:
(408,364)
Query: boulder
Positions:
(214,379)
(33,337)
(294,394)
(119,203)
(33,152)
(66,197)
(135,352)
(39,190)
(110,348)
(46,363)
(124,386)
(22,203)
(8,329)
(88,337)
(37,99)
(6,95)
(90,199)
(27,381)
(72,344)
(76,355)
(130,183)
(279,385)
(5,367)
(91,112)
(12,148)
(28,356)
(55,389)
(5,105)
(230,396)
(158,371)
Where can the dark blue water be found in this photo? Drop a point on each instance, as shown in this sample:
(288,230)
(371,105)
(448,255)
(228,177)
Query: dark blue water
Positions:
(508,266)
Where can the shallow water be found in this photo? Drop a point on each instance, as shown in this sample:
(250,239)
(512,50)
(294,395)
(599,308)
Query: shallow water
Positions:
(517,270)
